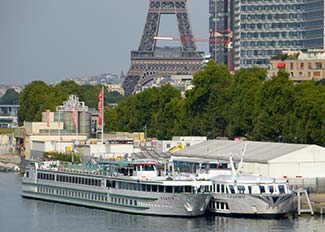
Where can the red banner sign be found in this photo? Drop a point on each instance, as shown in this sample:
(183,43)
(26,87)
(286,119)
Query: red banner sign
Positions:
(47,118)
(100,108)
(74,118)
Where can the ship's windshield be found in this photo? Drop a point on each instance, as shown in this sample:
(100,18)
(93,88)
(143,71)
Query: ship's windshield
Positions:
(213,166)
(249,189)
(232,189)
(271,189)
(281,189)
(148,168)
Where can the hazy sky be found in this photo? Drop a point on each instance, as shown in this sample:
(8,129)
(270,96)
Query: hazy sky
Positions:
(54,39)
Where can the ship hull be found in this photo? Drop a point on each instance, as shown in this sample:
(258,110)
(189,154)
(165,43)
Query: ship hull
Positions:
(264,205)
(148,203)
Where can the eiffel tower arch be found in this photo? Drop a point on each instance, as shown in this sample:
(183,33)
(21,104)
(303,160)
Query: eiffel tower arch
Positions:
(150,61)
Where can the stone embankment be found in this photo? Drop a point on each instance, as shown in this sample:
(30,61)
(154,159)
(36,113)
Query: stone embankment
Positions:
(9,163)
(9,160)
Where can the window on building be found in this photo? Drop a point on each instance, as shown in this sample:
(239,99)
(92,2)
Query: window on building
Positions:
(309,65)
(318,65)
(317,74)
(301,65)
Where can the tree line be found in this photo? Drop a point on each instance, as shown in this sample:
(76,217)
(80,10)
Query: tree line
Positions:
(38,96)
(246,104)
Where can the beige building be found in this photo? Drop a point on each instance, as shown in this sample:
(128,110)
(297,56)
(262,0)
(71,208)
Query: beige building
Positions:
(39,139)
(300,66)
(115,88)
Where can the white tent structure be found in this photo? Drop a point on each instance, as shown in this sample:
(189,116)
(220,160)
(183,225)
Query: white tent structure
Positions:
(265,158)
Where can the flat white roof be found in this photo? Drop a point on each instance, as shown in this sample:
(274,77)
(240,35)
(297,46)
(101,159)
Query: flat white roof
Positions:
(259,152)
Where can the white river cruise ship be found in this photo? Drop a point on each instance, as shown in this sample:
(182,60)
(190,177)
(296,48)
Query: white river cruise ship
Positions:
(131,187)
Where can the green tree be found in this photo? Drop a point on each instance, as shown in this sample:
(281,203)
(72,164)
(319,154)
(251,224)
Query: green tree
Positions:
(208,102)
(89,94)
(66,88)
(150,108)
(163,118)
(113,97)
(35,98)
(246,104)
(309,108)
(124,113)
(275,100)
(243,108)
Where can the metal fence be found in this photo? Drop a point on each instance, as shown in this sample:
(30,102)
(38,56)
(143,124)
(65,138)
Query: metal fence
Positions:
(315,185)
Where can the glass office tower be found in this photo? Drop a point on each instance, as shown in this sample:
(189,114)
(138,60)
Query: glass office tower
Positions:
(219,25)
(263,28)
(314,24)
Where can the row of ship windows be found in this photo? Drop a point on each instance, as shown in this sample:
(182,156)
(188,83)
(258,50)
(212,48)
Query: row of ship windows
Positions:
(188,167)
(220,188)
(69,179)
(121,185)
(156,188)
(242,189)
(87,196)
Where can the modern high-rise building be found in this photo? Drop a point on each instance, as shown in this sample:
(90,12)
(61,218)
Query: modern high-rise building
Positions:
(263,28)
(219,24)
(314,15)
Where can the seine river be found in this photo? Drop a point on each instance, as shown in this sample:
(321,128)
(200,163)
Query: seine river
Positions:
(19,214)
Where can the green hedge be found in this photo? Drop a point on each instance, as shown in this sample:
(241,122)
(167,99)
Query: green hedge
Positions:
(62,157)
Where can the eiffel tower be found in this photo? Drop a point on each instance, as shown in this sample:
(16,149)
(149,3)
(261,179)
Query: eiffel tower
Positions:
(149,61)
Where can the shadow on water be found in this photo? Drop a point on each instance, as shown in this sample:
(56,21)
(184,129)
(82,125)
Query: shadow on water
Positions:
(17,213)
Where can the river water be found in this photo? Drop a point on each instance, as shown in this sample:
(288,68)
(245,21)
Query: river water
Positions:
(28,215)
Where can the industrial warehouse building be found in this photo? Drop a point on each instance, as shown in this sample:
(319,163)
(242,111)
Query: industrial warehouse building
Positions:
(265,158)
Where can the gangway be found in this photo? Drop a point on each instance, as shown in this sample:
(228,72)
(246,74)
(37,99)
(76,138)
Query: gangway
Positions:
(300,192)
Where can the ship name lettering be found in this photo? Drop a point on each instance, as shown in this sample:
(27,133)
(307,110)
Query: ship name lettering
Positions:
(164,198)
